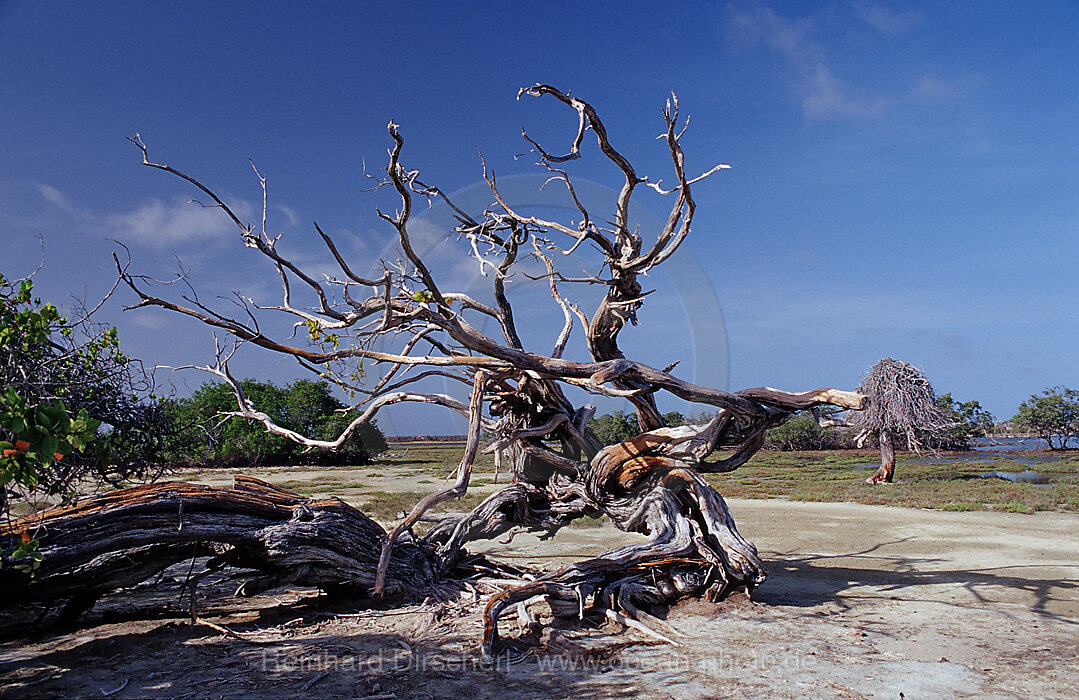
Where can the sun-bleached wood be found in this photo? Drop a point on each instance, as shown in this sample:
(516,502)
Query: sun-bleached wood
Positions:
(650,484)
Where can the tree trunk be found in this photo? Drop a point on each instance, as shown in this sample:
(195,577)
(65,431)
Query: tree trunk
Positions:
(887,460)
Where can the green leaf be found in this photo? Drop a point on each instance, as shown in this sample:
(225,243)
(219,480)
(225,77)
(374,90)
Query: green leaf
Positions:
(49,445)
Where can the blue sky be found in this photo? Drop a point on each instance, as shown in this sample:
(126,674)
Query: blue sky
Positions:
(905,177)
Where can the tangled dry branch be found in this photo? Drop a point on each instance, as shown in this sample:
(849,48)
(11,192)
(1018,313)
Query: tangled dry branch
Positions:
(901,402)
(651,484)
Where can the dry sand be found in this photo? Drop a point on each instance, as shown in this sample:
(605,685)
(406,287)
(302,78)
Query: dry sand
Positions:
(862,601)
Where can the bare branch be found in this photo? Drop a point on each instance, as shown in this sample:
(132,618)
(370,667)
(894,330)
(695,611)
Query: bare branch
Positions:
(460,486)
(650,484)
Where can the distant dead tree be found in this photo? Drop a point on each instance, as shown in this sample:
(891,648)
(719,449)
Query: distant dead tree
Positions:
(651,483)
(901,405)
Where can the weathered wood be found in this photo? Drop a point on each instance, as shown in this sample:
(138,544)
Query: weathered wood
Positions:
(650,484)
(126,536)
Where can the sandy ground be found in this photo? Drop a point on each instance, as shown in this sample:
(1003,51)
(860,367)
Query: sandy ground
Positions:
(862,601)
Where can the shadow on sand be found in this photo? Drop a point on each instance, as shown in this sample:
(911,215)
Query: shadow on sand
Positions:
(807,580)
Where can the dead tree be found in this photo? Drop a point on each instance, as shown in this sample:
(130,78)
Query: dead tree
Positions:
(651,484)
(901,405)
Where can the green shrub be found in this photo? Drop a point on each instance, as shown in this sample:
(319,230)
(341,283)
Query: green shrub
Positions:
(72,404)
(611,428)
(968,421)
(803,432)
(304,406)
(1052,415)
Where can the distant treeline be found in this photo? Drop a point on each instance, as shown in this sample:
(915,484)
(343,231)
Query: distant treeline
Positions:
(802,432)
(393,439)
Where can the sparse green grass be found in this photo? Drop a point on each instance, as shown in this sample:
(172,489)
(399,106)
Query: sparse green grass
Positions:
(436,460)
(833,476)
(332,489)
(962,505)
(601,521)
(385,505)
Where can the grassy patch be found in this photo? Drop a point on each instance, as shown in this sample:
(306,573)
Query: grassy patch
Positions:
(434,460)
(962,505)
(586,522)
(838,476)
(830,476)
(300,486)
(333,489)
(1017,507)
(384,506)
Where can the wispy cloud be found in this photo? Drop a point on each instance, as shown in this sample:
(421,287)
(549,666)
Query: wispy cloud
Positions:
(887,20)
(157,223)
(55,196)
(160,224)
(61,201)
(823,96)
(290,214)
(819,90)
(931,87)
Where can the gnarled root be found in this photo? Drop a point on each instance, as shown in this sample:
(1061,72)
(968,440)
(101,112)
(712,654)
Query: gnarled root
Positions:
(693,548)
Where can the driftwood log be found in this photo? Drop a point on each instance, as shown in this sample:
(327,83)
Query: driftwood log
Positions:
(650,484)
(124,537)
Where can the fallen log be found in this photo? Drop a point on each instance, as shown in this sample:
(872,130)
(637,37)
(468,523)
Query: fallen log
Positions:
(124,537)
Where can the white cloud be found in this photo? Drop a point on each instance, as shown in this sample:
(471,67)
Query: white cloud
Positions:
(757,24)
(290,214)
(886,20)
(821,93)
(161,224)
(157,223)
(55,196)
(931,87)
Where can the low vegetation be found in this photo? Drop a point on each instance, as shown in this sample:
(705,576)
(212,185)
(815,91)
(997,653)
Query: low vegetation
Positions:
(74,408)
(308,407)
(950,481)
